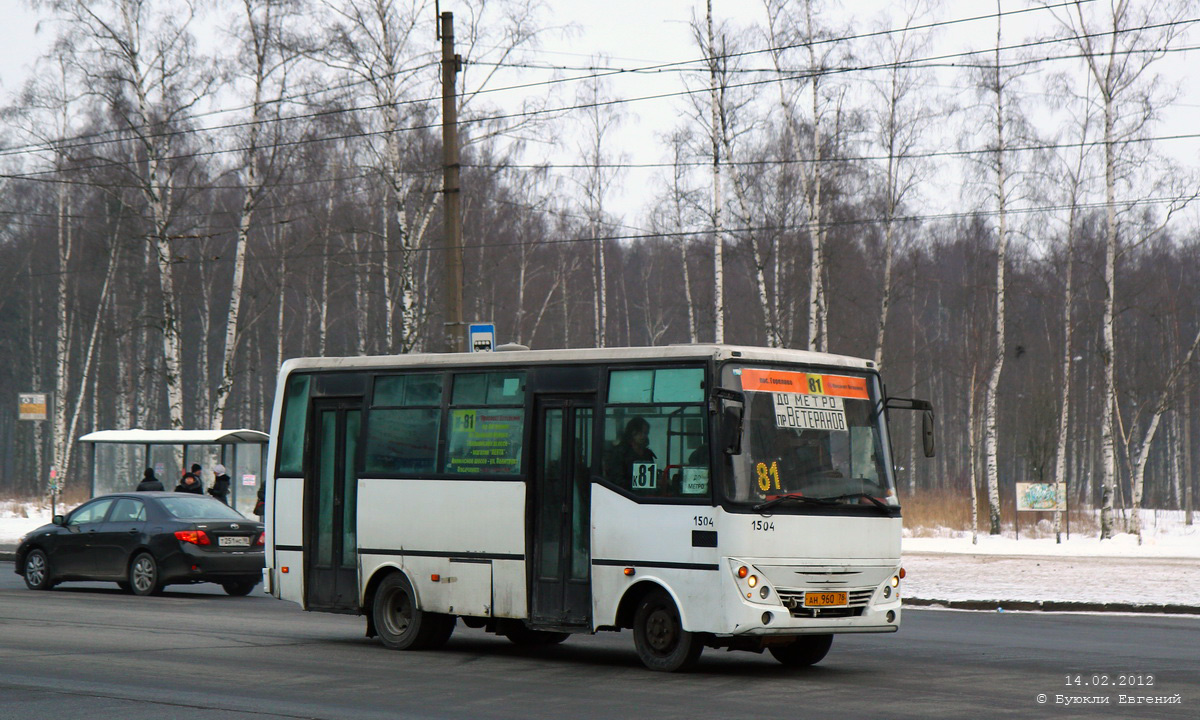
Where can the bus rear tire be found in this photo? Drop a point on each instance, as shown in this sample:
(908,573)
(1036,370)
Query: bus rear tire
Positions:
(401,625)
(658,635)
(806,650)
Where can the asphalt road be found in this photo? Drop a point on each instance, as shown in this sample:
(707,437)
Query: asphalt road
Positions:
(88,650)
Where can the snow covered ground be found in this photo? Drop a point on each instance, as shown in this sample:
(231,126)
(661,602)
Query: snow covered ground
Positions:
(1163,570)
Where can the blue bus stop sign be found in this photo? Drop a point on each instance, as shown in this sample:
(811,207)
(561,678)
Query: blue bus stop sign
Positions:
(481,337)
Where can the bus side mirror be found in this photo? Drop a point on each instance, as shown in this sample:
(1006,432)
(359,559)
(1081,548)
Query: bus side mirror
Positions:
(927,432)
(926,409)
(731,419)
(731,431)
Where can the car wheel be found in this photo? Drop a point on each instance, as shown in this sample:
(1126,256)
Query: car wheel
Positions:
(143,575)
(401,625)
(807,650)
(520,634)
(658,635)
(238,588)
(37,571)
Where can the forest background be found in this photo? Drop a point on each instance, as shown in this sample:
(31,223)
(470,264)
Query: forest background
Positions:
(1008,230)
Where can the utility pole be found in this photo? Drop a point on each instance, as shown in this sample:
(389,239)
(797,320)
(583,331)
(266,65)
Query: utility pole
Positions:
(452,198)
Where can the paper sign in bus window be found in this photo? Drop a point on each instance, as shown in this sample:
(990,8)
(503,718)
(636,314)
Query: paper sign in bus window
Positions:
(695,481)
(809,412)
(645,476)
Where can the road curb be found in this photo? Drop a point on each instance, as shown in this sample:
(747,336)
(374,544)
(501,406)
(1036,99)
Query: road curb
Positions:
(1052,606)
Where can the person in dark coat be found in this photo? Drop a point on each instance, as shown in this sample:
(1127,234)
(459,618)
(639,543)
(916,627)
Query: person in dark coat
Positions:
(220,486)
(633,448)
(190,482)
(260,506)
(150,482)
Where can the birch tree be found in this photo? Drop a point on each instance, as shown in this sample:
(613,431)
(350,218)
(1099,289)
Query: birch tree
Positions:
(141,63)
(599,123)
(1120,41)
(796,30)
(266,57)
(385,48)
(901,117)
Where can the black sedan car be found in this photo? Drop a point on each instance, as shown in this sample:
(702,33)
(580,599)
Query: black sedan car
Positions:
(144,542)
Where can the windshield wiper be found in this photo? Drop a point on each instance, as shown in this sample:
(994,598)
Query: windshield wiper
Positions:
(826,501)
(858,496)
(793,496)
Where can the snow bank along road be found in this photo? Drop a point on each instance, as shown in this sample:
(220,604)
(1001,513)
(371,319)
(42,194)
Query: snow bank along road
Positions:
(999,573)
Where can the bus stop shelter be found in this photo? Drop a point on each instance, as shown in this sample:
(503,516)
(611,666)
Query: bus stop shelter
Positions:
(120,456)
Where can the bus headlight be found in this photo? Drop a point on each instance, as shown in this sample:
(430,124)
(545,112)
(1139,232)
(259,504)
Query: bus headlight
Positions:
(751,586)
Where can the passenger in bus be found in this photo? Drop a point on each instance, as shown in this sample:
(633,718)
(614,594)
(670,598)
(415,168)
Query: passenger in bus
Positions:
(633,449)
(150,482)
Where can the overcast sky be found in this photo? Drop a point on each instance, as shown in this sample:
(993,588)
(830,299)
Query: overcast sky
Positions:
(639,33)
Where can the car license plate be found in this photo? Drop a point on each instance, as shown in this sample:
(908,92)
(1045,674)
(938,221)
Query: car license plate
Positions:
(826,599)
(233,541)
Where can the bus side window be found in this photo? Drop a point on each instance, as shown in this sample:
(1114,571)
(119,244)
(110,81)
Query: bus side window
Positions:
(291,432)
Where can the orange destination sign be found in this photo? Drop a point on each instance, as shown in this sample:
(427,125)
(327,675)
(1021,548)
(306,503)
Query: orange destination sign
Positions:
(755,380)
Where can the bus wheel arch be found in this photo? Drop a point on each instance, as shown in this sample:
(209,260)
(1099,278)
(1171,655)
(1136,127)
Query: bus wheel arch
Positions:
(368,597)
(628,606)
(396,617)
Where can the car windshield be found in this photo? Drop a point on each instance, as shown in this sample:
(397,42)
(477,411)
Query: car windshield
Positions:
(200,508)
(816,435)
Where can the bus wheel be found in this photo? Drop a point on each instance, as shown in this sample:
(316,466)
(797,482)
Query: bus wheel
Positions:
(658,635)
(520,634)
(401,624)
(807,650)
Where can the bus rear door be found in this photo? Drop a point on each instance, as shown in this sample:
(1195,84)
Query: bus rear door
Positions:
(560,555)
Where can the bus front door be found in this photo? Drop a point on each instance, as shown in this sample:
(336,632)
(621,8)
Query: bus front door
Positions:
(331,580)
(561,554)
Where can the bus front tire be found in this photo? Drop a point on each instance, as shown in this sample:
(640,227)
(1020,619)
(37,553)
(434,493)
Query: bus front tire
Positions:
(401,625)
(806,650)
(658,635)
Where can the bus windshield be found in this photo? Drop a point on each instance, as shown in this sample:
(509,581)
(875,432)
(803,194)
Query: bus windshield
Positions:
(816,437)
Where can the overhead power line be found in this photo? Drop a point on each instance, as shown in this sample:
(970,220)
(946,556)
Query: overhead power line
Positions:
(641,234)
(102,138)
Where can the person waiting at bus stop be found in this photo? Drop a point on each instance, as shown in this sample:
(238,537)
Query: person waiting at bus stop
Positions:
(633,448)
(150,482)
(220,486)
(190,482)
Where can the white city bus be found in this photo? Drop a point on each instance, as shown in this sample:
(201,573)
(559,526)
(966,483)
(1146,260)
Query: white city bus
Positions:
(700,495)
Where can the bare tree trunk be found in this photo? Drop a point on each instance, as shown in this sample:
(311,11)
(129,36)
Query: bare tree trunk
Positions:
(973,456)
(716,212)
(1142,452)
(91,352)
(360,298)
(323,301)
(61,441)
(262,38)
(998,337)
(389,300)
(1108,352)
